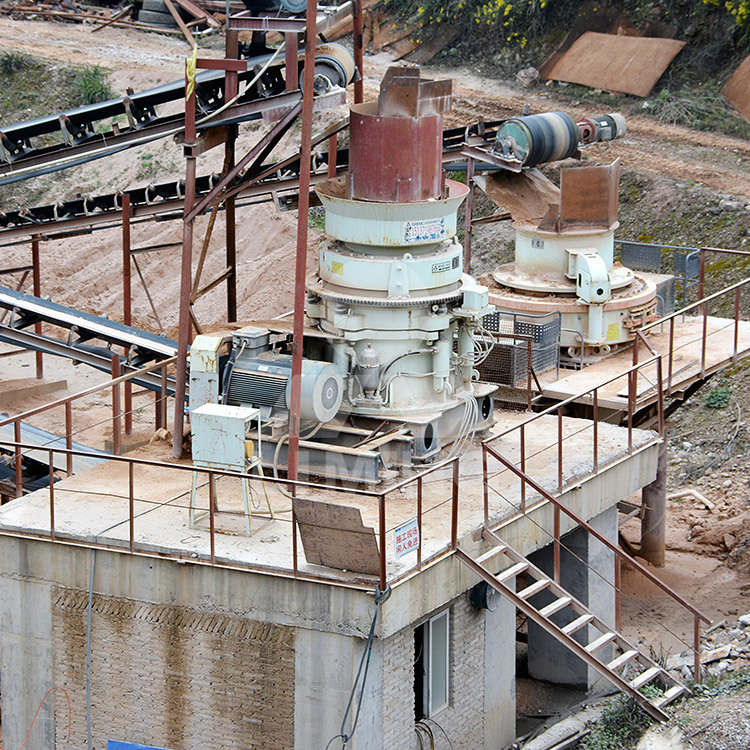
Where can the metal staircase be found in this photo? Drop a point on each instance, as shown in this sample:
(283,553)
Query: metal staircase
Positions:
(629,672)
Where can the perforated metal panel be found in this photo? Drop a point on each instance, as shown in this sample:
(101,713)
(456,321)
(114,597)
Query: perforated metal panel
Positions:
(640,256)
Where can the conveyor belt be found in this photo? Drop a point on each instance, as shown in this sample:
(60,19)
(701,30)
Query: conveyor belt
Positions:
(142,346)
(77,128)
(166,198)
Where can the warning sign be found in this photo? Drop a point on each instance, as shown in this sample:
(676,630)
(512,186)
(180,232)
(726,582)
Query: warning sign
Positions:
(406,538)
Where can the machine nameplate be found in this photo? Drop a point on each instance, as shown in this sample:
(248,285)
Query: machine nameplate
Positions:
(537,244)
(337,267)
(444,265)
(425,231)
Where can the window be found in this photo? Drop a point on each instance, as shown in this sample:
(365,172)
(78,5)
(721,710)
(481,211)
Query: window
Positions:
(431,665)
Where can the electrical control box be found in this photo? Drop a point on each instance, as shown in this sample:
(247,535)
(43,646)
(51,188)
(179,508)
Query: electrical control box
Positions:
(220,434)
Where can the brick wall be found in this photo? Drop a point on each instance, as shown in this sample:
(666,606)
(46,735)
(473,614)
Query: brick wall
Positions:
(172,677)
(463,719)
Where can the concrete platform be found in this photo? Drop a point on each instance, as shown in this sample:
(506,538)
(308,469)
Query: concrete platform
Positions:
(94,504)
(686,363)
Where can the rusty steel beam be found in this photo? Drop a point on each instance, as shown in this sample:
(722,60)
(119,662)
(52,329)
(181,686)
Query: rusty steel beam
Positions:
(303,219)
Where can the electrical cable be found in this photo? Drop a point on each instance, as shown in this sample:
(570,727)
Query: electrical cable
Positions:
(445,734)
(380,598)
(70,713)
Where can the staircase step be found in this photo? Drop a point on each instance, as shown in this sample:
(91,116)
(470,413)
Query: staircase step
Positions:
(577,624)
(555,606)
(512,572)
(622,659)
(534,588)
(645,677)
(490,555)
(674,692)
(601,642)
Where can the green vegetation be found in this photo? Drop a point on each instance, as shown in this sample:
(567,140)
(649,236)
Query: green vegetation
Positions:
(621,724)
(11,62)
(92,86)
(717,398)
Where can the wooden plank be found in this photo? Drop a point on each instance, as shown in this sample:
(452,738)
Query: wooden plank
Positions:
(334,536)
(627,64)
(199,13)
(439,41)
(119,15)
(403,47)
(737,89)
(178,19)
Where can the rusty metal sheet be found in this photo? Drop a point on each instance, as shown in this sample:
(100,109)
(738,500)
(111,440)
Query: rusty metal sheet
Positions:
(334,536)
(737,89)
(588,195)
(526,195)
(628,64)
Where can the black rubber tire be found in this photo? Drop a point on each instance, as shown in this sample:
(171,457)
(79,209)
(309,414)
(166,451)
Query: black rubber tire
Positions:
(157,6)
(156,18)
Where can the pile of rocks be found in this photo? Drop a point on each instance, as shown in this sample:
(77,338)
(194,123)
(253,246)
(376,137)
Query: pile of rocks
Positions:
(726,648)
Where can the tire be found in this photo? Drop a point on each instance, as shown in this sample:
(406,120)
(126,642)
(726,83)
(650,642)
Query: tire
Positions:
(154,18)
(157,6)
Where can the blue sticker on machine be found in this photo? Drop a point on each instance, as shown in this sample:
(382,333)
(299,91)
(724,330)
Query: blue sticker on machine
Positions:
(117,745)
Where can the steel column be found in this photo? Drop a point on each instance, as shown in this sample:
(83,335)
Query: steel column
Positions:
(127,302)
(358,50)
(301,259)
(468,215)
(230,91)
(116,447)
(183,339)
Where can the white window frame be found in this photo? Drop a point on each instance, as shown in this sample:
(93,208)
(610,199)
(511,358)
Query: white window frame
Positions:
(431,675)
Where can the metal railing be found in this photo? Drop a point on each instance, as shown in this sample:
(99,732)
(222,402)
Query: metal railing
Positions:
(138,468)
(121,418)
(558,507)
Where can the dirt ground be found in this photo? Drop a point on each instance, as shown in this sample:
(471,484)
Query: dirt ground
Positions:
(708,557)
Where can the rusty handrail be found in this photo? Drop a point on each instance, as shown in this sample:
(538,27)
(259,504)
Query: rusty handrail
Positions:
(571,399)
(600,537)
(88,391)
(694,305)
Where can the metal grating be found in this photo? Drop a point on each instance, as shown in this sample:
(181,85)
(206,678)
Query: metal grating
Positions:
(640,256)
(507,364)
(666,292)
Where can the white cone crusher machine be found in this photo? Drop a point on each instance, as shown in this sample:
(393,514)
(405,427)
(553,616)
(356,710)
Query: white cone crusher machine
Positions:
(390,345)
(564,255)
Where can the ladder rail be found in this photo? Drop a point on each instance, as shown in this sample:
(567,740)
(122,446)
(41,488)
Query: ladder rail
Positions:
(578,649)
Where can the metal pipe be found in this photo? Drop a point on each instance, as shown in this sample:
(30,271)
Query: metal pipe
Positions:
(37,281)
(301,257)
(485,488)
(522,441)
(127,302)
(559,449)
(595,415)
(211,511)
(381,530)
(419,520)
(18,459)
(697,672)
(454,504)
(116,446)
(469,213)
(556,545)
(358,49)
(69,437)
(131,507)
(183,338)
(51,466)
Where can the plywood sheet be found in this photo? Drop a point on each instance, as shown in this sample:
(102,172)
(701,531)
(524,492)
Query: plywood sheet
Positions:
(628,64)
(334,536)
(737,89)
